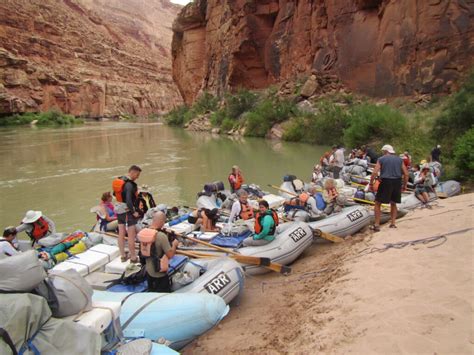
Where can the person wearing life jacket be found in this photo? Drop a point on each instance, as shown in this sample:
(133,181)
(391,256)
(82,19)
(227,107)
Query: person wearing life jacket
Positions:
(317,173)
(266,222)
(36,225)
(126,192)
(7,243)
(145,200)
(297,202)
(160,252)
(424,182)
(105,212)
(241,208)
(235,179)
(334,201)
(205,218)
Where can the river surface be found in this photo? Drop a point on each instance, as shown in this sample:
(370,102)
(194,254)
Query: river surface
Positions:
(63,171)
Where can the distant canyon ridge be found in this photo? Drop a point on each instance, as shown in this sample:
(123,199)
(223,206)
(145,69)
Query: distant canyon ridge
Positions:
(87,57)
(380,48)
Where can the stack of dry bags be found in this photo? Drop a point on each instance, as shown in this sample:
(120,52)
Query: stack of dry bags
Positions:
(29,302)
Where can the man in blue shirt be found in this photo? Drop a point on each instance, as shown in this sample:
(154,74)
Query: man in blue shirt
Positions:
(389,169)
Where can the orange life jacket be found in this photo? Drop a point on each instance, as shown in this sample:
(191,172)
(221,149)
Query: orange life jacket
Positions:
(300,200)
(147,237)
(332,193)
(258,221)
(40,229)
(117,187)
(239,180)
(246,211)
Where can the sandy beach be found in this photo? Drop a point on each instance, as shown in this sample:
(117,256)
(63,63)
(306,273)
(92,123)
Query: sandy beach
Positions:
(358,297)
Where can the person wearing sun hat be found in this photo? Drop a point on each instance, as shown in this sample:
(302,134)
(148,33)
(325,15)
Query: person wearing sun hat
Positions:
(145,200)
(36,225)
(389,169)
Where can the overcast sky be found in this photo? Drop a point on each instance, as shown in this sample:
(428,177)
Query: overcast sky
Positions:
(181,2)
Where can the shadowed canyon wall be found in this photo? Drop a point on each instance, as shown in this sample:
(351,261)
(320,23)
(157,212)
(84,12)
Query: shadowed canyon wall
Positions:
(87,57)
(381,48)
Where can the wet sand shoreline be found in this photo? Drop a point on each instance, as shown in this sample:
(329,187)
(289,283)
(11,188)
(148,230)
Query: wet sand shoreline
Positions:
(339,299)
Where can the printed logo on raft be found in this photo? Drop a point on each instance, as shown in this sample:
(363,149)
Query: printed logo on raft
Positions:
(217,283)
(298,234)
(354,216)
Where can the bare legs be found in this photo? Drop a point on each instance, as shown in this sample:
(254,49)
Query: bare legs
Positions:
(132,232)
(393,213)
(378,212)
(121,240)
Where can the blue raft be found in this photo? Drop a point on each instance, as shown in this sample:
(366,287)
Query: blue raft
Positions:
(176,317)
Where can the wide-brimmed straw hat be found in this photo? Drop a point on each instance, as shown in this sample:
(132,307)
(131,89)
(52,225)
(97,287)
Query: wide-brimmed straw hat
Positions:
(145,188)
(31,216)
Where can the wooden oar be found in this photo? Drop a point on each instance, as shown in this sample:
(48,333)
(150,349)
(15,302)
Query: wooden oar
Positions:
(328,236)
(253,260)
(283,190)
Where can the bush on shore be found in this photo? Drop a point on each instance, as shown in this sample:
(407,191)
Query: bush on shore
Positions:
(464,155)
(49,118)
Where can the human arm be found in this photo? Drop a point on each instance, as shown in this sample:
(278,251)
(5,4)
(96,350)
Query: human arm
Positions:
(129,197)
(234,212)
(375,174)
(52,225)
(24,227)
(172,250)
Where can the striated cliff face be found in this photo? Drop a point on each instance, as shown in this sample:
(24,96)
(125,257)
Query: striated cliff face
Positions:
(87,57)
(381,48)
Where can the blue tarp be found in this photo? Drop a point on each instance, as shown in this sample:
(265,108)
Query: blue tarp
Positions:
(233,241)
(141,287)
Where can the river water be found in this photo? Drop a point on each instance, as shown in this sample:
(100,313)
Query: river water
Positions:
(63,171)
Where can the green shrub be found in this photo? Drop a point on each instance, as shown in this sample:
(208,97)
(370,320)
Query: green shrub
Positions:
(49,118)
(457,117)
(205,103)
(376,124)
(237,104)
(326,126)
(217,118)
(267,113)
(464,155)
(177,116)
(227,125)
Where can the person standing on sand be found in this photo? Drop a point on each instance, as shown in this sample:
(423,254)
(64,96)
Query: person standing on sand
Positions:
(390,168)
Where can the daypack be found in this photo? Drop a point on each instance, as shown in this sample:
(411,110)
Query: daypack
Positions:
(320,203)
(147,237)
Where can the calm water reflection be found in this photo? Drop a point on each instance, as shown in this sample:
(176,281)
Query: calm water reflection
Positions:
(63,171)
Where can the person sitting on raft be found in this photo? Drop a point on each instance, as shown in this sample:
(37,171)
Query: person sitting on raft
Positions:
(241,208)
(235,179)
(317,173)
(145,200)
(266,221)
(36,225)
(424,182)
(106,213)
(7,243)
(205,218)
(324,163)
(334,201)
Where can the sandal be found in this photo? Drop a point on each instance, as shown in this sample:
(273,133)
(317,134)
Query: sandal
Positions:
(134,261)
(392,226)
(374,228)
(124,258)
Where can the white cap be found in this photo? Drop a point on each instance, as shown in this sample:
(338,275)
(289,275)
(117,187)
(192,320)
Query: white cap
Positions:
(31,216)
(388,148)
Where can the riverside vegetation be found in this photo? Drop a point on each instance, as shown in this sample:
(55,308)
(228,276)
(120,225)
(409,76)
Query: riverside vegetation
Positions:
(344,119)
(49,118)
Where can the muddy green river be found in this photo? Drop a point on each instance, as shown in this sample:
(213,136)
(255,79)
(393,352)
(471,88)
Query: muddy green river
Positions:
(63,171)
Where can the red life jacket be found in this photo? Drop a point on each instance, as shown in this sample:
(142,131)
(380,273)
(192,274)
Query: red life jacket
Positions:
(239,180)
(40,229)
(300,200)
(258,221)
(246,211)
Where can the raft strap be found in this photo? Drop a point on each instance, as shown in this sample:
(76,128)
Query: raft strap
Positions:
(6,338)
(138,311)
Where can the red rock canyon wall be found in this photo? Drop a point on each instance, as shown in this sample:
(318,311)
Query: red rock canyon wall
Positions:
(381,48)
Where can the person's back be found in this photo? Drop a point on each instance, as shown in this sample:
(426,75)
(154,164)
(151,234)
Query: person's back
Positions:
(435,153)
(390,166)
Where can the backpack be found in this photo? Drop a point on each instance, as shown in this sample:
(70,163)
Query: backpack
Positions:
(147,237)
(117,187)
